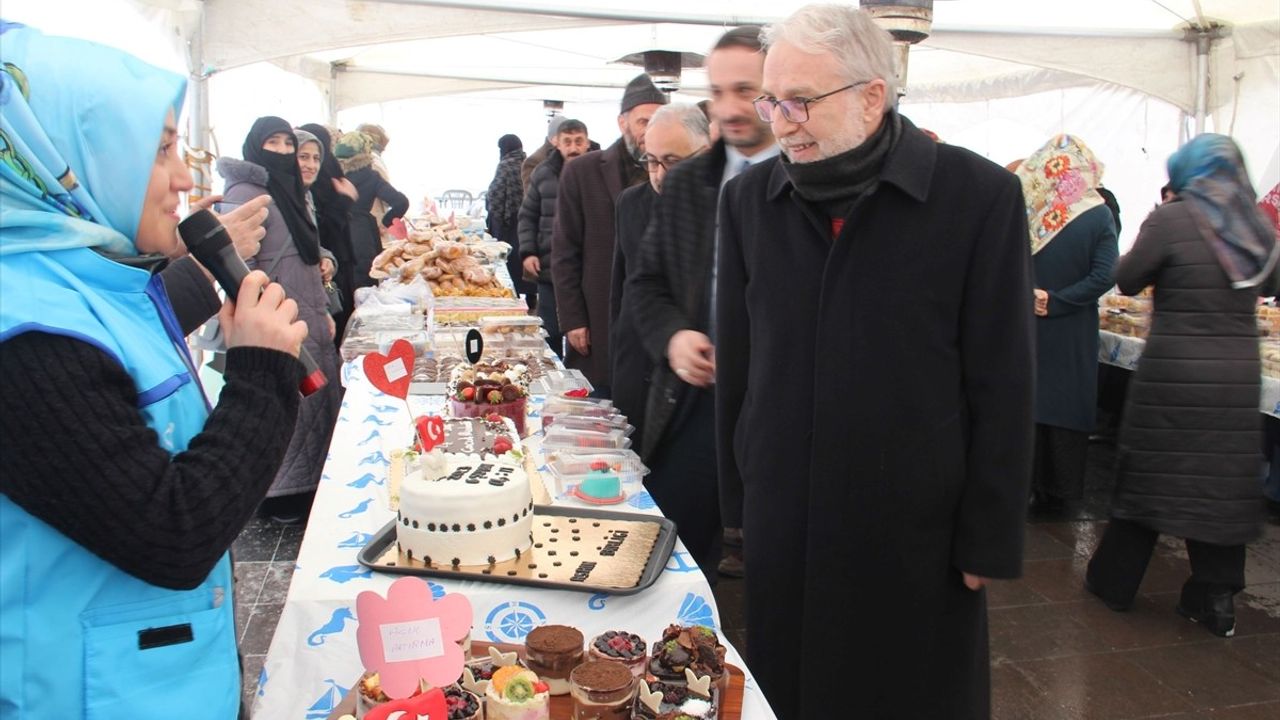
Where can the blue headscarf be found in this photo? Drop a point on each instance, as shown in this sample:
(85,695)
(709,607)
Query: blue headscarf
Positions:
(76,147)
(1208,174)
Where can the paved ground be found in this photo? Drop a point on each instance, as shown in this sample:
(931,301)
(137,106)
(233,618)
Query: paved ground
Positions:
(1056,652)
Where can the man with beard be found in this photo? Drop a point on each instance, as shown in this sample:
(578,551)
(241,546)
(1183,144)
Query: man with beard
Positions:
(583,240)
(873,384)
(675,134)
(537,218)
(671,297)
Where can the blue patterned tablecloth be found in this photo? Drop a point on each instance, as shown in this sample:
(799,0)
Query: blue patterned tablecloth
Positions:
(1125,351)
(313,660)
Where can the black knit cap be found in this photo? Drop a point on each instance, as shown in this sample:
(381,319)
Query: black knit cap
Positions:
(642,91)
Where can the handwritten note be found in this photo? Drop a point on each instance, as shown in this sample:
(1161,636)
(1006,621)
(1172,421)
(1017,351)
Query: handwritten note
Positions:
(414,640)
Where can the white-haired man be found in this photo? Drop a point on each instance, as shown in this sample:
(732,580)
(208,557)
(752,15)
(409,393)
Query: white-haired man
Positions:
(874,387)
(675,134)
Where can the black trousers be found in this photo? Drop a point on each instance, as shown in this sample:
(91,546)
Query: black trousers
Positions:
(550,322)
(1117,566)
(1061,455)
(682,480)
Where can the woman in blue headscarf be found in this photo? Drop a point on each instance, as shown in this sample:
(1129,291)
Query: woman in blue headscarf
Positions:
(120,489)
(1189,452)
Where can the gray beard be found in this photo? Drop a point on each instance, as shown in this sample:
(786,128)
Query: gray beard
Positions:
(632,147)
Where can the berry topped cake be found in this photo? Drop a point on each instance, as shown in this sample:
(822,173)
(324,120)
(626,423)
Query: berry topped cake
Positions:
(620,646)
(484,388)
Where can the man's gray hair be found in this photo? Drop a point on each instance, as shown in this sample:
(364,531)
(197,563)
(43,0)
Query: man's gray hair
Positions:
(690,116)
(851,35)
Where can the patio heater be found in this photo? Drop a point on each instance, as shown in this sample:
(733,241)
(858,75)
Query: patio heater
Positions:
(908,21)
(663,66)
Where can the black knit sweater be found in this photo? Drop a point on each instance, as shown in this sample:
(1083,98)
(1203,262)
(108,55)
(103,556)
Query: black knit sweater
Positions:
(76,453)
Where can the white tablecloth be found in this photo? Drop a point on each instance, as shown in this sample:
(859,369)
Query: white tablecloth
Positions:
(313,660)
(1124,351)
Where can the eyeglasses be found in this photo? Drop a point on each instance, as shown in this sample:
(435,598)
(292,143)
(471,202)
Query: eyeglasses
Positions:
(652,163)
(795,110)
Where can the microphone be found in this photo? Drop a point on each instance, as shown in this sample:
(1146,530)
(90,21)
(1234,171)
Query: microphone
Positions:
(208,242)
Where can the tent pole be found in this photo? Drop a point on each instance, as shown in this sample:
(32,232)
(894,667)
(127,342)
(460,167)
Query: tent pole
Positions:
(333,96)
(199,157)
(1203,42)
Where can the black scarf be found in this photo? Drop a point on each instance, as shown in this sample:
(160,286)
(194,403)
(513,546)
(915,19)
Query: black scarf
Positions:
(838,182)
(284,184)
(332,207)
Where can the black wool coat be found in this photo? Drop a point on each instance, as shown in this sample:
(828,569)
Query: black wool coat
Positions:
(1075,268)
(875,400)
(582,249)
(668,290)
(630,366)
(1189,451)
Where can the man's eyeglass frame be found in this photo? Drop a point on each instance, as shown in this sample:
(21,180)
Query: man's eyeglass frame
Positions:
(794,110)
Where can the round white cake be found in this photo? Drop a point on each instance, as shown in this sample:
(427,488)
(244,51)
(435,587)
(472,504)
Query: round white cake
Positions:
(462,509)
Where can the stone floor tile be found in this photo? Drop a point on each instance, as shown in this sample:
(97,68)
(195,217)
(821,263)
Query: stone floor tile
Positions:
(1260,711)
(1014,697)
(249,678)
(731,600)
(1041,544)
(1081,537)
(261,628)
(275,585)
(1151,622)
(1263,596)
(257,543)
(1038,631)
(1105,686)
(1208,674)
(1012,593)
(1057,580)
(249,576)
(1261,653)
(290,543)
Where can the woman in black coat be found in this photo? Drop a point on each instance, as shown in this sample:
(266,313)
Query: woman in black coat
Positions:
(1189,451)
(1073,245)
(334,195)
(355,154)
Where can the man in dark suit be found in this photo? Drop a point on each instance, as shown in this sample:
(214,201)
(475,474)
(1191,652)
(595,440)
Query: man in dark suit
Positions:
(582,242)
(671,297)
(675,134)
(874,382)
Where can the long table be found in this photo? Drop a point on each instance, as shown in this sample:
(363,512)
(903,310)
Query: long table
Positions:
(1124,351)
(313,660)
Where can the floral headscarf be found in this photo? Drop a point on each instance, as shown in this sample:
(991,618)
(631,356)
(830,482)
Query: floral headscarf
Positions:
(1208,174)
(1059,183)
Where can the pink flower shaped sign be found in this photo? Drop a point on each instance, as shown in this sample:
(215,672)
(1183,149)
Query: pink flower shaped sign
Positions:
(409,635)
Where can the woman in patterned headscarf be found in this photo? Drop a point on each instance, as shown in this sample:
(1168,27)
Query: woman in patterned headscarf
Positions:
(1189,461)
(1073,245)
(121,491)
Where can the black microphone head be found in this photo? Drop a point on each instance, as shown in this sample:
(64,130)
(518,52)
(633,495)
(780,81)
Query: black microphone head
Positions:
(203,234)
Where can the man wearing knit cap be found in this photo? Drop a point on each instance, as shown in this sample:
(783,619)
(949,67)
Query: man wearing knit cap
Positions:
(583,240)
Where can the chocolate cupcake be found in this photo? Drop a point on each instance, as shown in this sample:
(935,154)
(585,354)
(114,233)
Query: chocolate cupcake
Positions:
(602,690)
(622,647)
(553,651)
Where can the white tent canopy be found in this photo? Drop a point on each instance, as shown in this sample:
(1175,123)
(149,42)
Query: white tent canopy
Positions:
(432,48)
(998,76)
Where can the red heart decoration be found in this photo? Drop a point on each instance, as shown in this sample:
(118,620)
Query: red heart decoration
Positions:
(391,373)
(430,704)
(430,431)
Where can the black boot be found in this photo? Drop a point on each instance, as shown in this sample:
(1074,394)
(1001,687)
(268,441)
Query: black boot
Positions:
(1211,606)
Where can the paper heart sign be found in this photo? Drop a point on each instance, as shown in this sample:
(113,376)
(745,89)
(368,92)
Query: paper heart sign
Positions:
(410,635)
(429,705)
(430,431)
(391,373)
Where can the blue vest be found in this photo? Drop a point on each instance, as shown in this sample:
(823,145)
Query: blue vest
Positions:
(79,638)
